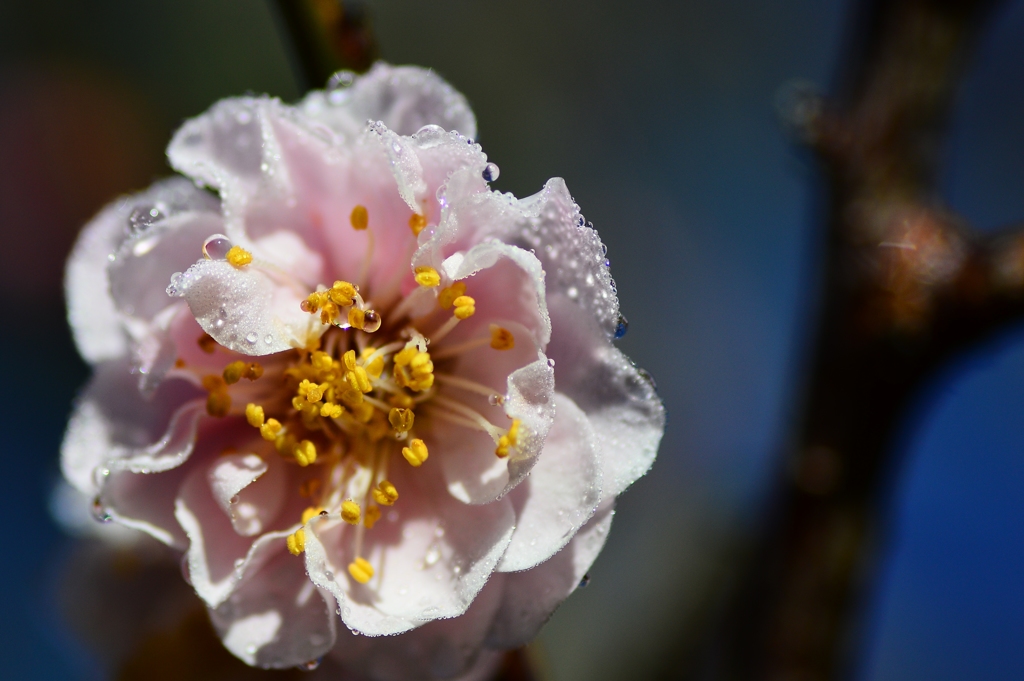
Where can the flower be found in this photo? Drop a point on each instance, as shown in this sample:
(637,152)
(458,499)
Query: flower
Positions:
(373,387)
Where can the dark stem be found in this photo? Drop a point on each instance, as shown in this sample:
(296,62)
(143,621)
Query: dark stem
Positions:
(327,36)
(907,285)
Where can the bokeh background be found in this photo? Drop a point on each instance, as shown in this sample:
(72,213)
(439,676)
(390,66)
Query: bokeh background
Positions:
(660,115)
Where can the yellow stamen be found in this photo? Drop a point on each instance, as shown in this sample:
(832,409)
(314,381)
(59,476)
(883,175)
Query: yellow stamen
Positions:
(417,222)
(428,277)
(321,361)
(207,344)
(218,404)
(270,430)
(253,371)
(311,391)
(509,440)
(448,295)
(416,453)
(356,318)
(360,570)
(501,338)
(233,372)
(350,512)
(385,493)
(330,410)
(342,293)
(376,367)
(401,419)
(359,218)
(296,542)
(414,369)
(309,513)
(309,488)
(371,517)
(238,256)
(254,415)
(465,307)
(305,453)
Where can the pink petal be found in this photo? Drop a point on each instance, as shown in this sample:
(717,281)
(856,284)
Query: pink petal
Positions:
(275,617)
(404,98)
(560,494)
(624,410)
(249,489)
(431,560)
(531,597)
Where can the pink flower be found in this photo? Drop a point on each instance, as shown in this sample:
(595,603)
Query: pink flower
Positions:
(374,386)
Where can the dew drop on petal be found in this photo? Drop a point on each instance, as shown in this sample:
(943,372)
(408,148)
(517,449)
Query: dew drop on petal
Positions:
(341,79)
(268,339)
(496,400)
(185,572)
(572,292)
(329,575)
(585,580)
(99,511)
(491,172)
(216,247)
(251,338)
(621,327)
(371,321)
(251,649)
(433,555)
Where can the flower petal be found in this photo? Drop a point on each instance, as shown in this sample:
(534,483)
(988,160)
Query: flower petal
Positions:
(250,489)
(244,309)
(441,649)
(623,407)
(531,597)
(404,98)
(275,618)
(560,494)
(433,555)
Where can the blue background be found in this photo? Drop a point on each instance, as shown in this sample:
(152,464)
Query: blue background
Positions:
(660,115)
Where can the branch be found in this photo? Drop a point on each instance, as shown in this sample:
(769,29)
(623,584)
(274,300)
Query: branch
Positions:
(327,36)
(908,285)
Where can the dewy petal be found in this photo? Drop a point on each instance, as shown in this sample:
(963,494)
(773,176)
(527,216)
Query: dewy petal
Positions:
(531,597)
(249,495)
(91,309)
(113,421)
(441,649)
(404,98)
(560,494)
(623,407)
(275,617)
(431,560)
(244,309)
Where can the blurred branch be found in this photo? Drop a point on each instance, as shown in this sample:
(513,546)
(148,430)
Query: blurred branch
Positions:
(327,36)
(907,285)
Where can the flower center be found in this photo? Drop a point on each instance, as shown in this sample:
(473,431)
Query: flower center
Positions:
(349,405)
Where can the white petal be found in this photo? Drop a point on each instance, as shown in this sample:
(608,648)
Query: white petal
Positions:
(275,617)
(244,309)
(624,410)
(531,597)
(431,558)
(560,494)
(244,490)
(441,649)
(404,98)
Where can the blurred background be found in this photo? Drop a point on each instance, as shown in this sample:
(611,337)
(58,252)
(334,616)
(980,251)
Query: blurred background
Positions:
(661,117)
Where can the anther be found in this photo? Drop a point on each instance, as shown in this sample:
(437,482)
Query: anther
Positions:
(207,344)
(417,222)
(270,430)
(350,512)
(238,256)
(448,295)
(501,338)
(296,542)
(235,371)
(465,307)
(416,453)
(427,276)
(385,493)
(254,415)
(356,318)
(305,453)
(360,570)
(359,218)
(330,410)
(401,419)
(371,517)
(342,293)
(358,379)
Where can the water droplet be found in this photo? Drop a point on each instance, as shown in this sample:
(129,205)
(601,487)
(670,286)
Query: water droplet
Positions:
(268,339)
(216,247)
(621,327)
(433,555)
(572,292)
(457,569)
(438,532)
(99,511)
(604,249)
(143,216)
(371,321)
(243,116)
(496,400)
(491,172)
(310,666)
(329,575)
(585,580)
(341,79)
(185,572)
(251,649)
(218,323)
(551,362)
(647,377)
(251,338)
